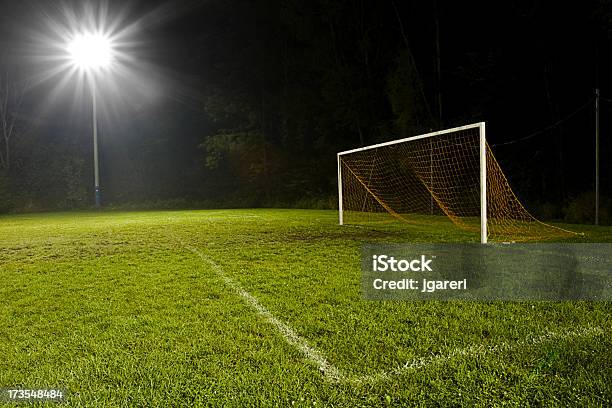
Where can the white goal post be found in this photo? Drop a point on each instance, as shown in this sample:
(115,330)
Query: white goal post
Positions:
(480,127)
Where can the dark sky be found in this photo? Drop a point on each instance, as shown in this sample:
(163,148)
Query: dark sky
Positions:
(513,43)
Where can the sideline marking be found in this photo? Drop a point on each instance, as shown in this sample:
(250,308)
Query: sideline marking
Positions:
(475,351)
(328,370)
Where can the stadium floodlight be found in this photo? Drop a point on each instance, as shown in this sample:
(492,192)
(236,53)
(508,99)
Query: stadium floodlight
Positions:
(451,173)
(92,52)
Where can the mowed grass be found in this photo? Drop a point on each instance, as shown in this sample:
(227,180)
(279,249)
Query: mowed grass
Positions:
(118,309)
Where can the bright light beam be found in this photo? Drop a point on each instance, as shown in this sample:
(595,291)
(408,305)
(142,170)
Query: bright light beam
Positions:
(90,51)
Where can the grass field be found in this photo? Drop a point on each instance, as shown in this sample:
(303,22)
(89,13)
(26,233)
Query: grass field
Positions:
(263,307)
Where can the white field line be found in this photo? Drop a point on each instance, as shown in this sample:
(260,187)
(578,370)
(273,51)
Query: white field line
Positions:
(332,373)
(328,370)
(475,352)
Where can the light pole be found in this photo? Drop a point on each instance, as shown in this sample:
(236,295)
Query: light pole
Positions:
(597,156)
(91,53)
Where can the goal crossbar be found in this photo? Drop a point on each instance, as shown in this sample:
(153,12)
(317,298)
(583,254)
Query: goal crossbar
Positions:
(408,139)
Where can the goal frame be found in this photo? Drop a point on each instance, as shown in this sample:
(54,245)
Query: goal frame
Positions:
(482,165)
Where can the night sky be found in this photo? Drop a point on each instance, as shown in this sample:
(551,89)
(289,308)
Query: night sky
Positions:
(242,103)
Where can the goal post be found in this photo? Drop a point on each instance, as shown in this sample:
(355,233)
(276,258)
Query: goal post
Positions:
(483,183)
(340,213)
(448,174)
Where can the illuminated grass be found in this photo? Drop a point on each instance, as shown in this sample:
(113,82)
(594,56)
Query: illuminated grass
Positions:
(113,308)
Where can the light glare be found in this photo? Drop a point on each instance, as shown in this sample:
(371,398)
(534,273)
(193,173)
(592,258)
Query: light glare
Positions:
(90,51)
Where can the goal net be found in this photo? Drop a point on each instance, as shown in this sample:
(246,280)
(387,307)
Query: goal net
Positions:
(426,179)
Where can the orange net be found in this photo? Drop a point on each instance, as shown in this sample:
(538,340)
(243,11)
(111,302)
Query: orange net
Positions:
(423,180)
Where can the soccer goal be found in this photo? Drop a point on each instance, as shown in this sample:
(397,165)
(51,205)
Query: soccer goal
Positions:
(450,174)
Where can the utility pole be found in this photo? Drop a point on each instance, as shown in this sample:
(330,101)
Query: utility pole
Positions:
(438,97)
(437,64)
(597,156)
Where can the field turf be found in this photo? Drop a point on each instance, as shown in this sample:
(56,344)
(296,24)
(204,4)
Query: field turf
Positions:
(263,308)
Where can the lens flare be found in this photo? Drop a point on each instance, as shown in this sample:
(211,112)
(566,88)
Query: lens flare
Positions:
(90,51)
(71,46)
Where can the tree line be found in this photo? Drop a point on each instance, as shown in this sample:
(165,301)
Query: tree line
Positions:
(279,87)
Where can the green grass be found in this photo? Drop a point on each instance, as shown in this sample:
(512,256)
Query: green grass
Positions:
(114,308)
